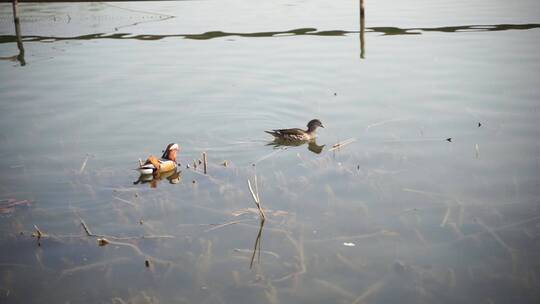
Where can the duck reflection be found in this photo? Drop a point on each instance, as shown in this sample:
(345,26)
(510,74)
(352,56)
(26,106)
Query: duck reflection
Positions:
(311,144)
(173,176)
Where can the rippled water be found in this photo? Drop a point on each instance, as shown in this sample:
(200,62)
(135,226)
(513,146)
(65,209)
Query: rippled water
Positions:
(435,198)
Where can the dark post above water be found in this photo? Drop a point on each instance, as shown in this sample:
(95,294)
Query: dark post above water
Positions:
(362,29)
(20,46)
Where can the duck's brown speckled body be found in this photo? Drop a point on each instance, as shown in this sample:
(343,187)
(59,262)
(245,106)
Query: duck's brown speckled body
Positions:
(297,134)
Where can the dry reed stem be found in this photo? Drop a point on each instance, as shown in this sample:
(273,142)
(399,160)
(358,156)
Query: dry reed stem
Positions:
(268,229)
(257,189)
(497,238)
(84,164)
(446,216)
(271,294)
(256,199)
(455,229)
(299,246)
(90,234)
(250,251)
(424,192)
(125,201)
(335,289)
(420,237)
(374,288)
(461,212)
(225,225)
(511,225)
(354,237)
(203,263)
(91,266)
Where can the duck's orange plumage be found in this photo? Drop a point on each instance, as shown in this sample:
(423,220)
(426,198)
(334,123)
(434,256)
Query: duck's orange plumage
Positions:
(165,164)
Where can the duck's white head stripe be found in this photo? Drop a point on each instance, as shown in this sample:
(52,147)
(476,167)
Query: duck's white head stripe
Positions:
(174,147)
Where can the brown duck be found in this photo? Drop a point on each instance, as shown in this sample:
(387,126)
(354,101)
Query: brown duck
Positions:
(297,134)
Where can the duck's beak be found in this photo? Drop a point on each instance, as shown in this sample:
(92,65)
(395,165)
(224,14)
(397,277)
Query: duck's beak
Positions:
(322,126)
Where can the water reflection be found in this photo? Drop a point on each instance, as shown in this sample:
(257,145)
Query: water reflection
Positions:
(173,176)
(309,31)
(312,144)
(17,38)
(257,245)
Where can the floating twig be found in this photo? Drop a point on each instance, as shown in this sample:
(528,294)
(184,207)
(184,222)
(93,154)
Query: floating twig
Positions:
(341,144)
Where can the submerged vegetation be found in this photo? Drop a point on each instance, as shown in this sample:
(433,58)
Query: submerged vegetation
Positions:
(308,243)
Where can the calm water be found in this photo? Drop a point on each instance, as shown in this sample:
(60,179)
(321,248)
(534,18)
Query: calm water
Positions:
(400,214)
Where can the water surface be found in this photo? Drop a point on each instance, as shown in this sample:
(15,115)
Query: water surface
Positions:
(436,200)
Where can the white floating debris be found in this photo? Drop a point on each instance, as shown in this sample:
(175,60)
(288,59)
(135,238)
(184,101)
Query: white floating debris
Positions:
(349,244)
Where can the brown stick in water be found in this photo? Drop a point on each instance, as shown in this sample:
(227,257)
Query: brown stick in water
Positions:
(205,162)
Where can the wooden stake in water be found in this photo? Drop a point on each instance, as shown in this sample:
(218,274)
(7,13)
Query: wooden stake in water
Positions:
(362,29)
(205,162)
(16,20)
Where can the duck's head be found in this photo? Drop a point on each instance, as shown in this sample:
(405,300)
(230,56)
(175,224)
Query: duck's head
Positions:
(170,151)
(314,124)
